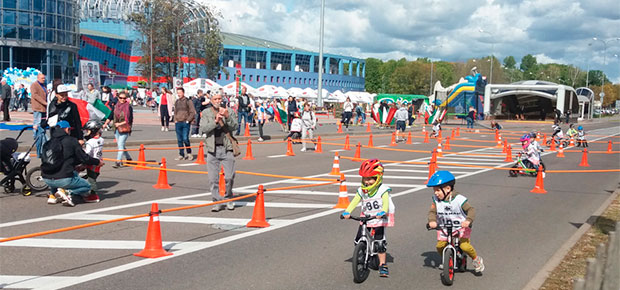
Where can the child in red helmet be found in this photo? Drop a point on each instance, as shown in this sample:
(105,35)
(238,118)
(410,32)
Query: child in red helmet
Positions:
(376,201)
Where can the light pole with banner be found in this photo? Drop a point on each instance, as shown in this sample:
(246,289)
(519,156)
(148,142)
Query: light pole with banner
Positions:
(605,42)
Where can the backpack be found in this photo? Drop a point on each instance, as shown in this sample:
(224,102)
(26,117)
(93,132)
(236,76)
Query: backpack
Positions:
(52,156)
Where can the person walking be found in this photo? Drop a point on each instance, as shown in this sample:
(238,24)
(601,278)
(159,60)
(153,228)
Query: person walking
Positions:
(184,114)
(166,107)
(123,121)
(308,125)
(291,108)
(347,112)
(401,117)
(5,96)
(261,118)
(218,123)
(411,113)
(245,108)
(198,100)
(38,102)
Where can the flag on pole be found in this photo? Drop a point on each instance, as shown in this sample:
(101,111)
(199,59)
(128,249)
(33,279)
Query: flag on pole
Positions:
(278,113)
(89,112)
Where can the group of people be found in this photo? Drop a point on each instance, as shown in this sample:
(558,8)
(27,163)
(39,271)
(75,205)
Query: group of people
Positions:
(447,206)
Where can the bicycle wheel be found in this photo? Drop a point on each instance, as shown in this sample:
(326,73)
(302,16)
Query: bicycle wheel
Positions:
(373,262)
(513,173)
(447,276)
(34,179)
(360,270)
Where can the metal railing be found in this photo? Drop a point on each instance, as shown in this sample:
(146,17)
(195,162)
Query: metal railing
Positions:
(603,272)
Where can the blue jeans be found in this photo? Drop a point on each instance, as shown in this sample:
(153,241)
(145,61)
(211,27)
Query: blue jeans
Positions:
(40,132)
(470,122)
(196,129)
(242,115)
(182,129)
(73,185)
(121,138)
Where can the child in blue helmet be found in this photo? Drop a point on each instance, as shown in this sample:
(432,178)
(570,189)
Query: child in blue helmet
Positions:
(448,204)
(581,137)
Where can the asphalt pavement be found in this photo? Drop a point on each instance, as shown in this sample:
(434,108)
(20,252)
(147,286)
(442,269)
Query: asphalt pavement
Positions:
(306,246)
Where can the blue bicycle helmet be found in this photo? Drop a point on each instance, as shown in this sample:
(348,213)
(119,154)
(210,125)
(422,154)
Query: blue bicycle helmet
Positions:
(440,178)
(580,128)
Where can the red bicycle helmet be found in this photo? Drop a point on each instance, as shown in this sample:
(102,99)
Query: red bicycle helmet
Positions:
(370,168)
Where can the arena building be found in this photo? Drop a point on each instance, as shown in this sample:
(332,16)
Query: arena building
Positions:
(41,34)
(108,37)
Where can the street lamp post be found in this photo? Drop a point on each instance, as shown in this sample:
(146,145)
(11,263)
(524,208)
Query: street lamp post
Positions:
(605,42)
(492,57)
(320,87)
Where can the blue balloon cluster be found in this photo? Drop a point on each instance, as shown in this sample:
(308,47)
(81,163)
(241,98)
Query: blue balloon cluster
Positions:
(15,75)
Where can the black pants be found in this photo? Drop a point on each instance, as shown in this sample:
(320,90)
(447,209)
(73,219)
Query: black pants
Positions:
(260,128)
(346,118)
(164,116)
(5,109)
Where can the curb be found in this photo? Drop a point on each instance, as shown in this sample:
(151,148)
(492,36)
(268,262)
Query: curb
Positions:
(539,279)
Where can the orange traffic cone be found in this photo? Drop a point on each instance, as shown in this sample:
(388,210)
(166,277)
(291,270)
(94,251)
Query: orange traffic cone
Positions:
(336,165)
(584,158)
(458,131)
(439,151)
(423,128)
(141,159)
(162,180)
(248,151)
(451,135)
(572,142)
(505,145)
(319,147)
(508,154)
(409,139)
(200,159)
(539,187)
(431,169)
(544,139)
(499,141)
(153,247)
(426,138)
(370,143)
(222,182)
(393,143)
(343,194)
(496,135)
(609,147)
(347,146)
(247,130)
(358,151)
(339,127)
(258,216)
(447,147)
(560,152)
(289,147)
(552,147)
(368,130)
(439,135)
(434,155)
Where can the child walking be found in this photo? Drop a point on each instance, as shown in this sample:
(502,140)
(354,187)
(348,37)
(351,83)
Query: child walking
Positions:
(449,205)
(376,201)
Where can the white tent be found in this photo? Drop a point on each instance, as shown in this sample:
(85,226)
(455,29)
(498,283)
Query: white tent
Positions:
(296,92)
(338,96)
(232,88)
(265,91)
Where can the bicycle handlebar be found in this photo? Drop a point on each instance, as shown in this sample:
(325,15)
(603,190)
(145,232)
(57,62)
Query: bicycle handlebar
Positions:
(428,228)
(361,219)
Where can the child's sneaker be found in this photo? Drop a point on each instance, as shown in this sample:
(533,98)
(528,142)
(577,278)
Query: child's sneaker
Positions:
(440,267)
(91,198)
(66,198)
(478,264)
(383,271)
(51,199)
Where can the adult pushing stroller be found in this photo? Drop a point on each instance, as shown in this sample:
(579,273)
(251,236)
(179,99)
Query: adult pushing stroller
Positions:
(13,166)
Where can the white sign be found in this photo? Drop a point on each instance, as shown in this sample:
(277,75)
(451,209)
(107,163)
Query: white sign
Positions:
(89,73)
(177,82)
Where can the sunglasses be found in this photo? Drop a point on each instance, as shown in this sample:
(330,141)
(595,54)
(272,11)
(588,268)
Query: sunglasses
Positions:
(122,98)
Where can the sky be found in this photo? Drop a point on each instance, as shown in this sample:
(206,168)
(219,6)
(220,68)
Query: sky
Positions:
(555,31)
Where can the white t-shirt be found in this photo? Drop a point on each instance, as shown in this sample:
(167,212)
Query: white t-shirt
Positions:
(94,147)
(296,125)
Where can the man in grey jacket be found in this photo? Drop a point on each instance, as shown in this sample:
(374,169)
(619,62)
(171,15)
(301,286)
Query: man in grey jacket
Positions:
(401,117)
(217,122)
(92,94)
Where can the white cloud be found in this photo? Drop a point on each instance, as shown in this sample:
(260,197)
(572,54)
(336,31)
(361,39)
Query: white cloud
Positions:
(552,30)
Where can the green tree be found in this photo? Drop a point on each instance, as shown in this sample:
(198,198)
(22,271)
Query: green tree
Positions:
(529,63)
(373,75)
(173,32)
(509,62)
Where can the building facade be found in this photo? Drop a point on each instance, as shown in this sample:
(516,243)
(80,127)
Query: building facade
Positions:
(41,34)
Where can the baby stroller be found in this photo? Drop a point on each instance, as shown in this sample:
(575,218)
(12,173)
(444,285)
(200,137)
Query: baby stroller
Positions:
(13,166)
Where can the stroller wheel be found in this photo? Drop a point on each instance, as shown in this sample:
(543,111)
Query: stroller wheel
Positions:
(26,190)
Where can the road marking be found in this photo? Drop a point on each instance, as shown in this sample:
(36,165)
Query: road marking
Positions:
(94,244)
(188,164)
(387,176)
(276,156)
(347,183)
(170,219)
(337,150)
(31,282)
(300,192)
(267,204)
